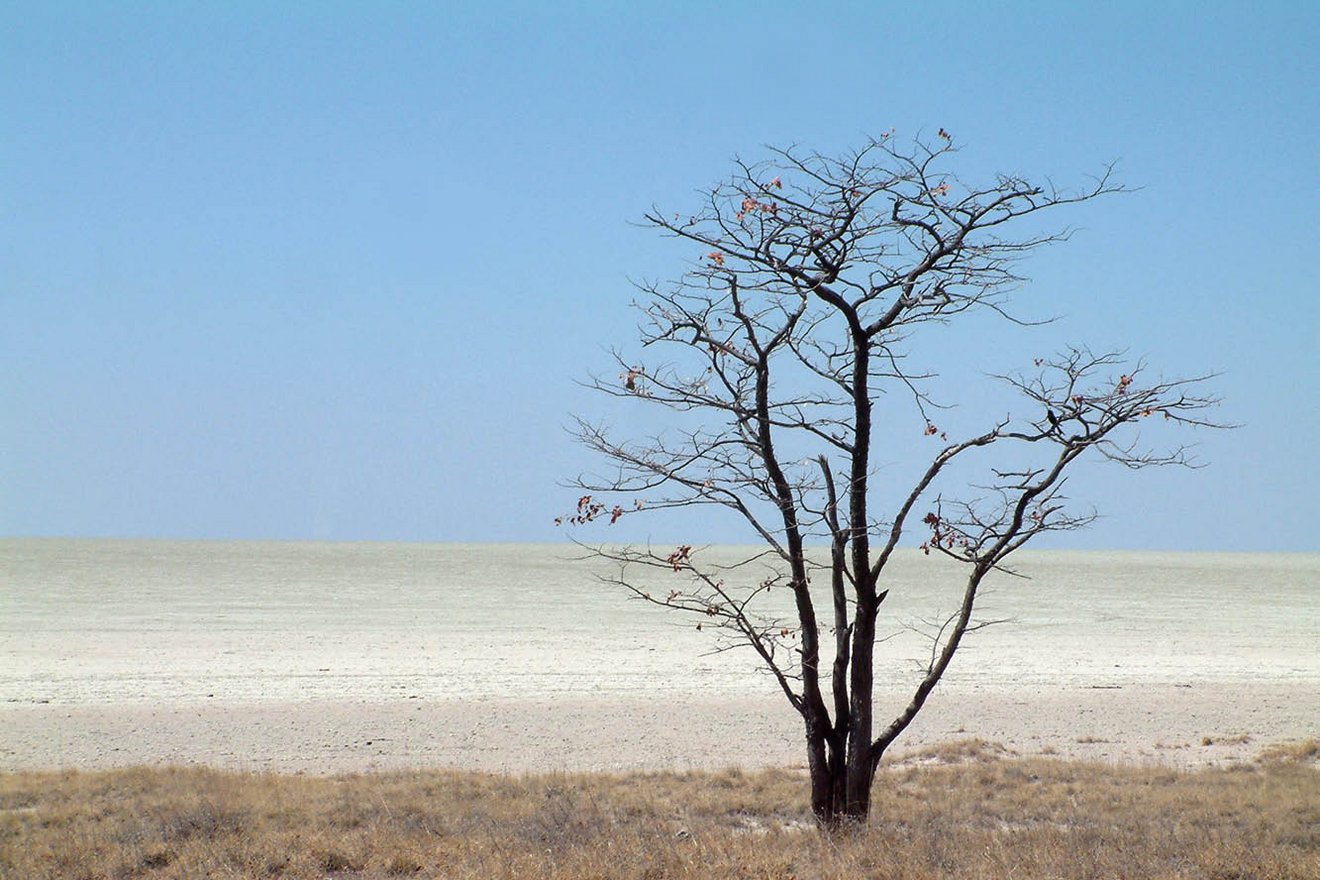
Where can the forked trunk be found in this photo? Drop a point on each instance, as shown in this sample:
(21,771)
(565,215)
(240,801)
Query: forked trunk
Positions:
(832,776)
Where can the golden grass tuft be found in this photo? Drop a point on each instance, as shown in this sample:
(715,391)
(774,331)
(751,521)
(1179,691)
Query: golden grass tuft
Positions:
(1296,751)
(958,751)
(965,810)
(1237,739)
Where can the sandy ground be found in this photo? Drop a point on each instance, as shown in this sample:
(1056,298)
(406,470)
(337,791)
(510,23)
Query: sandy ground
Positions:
(1163,724)
(343,658)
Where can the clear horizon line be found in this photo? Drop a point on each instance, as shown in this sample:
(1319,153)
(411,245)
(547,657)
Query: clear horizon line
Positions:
(569,543)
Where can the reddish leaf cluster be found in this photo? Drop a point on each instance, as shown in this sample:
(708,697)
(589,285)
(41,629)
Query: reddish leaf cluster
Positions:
(588,509)
(680,557)
(942,536)
(751,205)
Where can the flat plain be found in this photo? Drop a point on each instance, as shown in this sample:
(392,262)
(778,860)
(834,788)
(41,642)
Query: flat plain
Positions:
(178,710)
(346,657)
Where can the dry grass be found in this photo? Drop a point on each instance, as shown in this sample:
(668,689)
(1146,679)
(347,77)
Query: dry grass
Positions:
(1236,739)
(1298,751)
(963,810)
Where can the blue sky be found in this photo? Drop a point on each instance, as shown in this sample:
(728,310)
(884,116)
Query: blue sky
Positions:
(333,271)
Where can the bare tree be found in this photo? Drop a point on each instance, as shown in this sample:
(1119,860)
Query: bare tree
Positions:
(816,278)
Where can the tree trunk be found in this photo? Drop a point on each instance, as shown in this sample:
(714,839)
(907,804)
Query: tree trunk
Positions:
(821,770)
(828,787)
(860,765)
(839,796)
(829,802)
